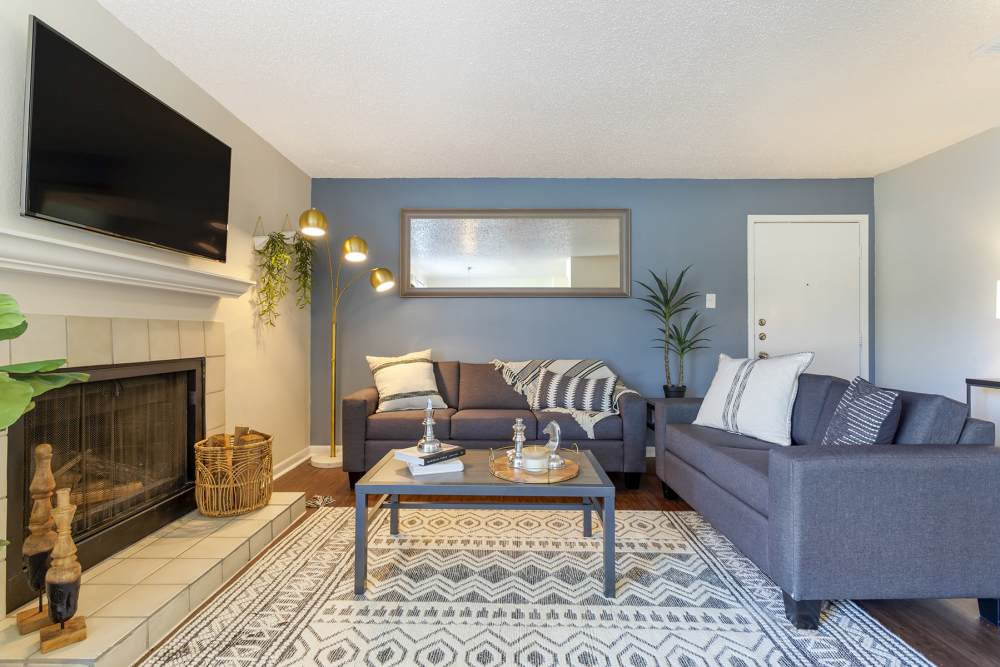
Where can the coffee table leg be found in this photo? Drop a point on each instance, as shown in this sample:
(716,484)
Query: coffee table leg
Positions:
(360,542)
(587,526)
(608,519)
(394,515)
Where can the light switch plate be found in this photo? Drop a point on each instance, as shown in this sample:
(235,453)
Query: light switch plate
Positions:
(710,301)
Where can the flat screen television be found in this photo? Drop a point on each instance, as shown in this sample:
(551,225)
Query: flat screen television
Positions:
(105,155)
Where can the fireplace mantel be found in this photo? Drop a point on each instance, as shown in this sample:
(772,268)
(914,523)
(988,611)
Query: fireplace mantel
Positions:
(34,253)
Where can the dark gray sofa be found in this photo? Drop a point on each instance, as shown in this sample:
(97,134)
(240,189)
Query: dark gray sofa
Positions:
(916,519)
(480,414)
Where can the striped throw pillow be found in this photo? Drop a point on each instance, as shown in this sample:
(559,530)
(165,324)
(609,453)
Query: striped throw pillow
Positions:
(406,382)
(573,392)
(865,415)
(754,397)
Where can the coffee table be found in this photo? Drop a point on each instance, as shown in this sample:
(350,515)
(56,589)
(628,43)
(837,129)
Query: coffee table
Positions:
(391,479)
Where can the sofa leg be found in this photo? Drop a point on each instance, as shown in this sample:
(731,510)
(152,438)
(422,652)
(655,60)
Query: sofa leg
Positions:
(803,614)
(989,609)
(353,477)
(632,480)
(668,493)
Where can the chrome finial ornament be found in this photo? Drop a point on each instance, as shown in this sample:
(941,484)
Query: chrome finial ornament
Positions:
(516,456)
(429,443)
(555,434)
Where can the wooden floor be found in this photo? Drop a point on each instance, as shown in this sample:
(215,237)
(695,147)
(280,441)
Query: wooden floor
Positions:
(948,632)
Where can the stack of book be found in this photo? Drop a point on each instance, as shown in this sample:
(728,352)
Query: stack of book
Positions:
(444,460)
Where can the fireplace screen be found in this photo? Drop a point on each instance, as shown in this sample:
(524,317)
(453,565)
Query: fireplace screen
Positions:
(124,445)
(120,445)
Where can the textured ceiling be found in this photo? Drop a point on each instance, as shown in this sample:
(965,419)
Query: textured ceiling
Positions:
(646,88)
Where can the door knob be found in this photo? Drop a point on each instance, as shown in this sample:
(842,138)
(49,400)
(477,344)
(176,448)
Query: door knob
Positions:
(762,336)
(763,355)
(762,321)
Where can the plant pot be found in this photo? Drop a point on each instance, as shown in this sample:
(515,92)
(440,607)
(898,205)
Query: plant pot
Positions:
(674,390)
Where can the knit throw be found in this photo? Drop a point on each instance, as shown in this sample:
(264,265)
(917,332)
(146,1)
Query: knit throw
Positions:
(523,377)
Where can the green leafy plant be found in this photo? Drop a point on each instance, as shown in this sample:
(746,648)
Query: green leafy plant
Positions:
(302,251)
(273,259)
(686,339)
(666,300)
(21,384)
(282,252)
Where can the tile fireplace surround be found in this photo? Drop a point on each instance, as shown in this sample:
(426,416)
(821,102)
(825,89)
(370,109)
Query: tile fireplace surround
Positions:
(97,341)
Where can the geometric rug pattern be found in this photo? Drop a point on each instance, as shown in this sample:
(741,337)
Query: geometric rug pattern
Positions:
(496,588)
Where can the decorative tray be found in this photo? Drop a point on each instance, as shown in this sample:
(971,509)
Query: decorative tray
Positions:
(500,467)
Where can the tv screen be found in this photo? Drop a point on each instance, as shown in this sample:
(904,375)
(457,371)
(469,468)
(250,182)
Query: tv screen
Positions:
(105,155)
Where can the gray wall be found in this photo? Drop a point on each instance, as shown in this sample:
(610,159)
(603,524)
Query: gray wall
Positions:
(674,223)
(938,260)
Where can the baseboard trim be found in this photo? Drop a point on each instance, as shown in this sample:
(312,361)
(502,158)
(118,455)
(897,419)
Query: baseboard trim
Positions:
(295,459)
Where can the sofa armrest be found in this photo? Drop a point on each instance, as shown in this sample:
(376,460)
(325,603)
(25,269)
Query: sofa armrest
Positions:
(355,410)
(887,521)
(671,411)
(633,413)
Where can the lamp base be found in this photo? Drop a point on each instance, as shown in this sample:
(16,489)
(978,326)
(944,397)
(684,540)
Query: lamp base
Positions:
(325,461)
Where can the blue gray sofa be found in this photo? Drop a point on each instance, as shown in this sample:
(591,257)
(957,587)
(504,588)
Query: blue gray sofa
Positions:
(916,519)
(480,415)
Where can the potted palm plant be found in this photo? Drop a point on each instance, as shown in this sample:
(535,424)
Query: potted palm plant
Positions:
(665,301)
(22,383)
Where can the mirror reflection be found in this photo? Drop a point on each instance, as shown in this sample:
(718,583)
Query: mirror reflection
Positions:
(573,253)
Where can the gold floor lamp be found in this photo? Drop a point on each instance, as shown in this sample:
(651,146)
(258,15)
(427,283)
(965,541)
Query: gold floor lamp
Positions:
(354,250)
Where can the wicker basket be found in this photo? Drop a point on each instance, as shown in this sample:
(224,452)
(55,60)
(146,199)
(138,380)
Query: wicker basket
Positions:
(233,474)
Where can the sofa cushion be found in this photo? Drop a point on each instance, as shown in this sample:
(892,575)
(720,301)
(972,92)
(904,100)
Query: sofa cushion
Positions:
(446,373)
(482,387)
(555,390)
(406,382)
(754,397)
(407,425)
(609,428)
(815,403)
(866,415)
(736,463)
(476,424)
(929,419)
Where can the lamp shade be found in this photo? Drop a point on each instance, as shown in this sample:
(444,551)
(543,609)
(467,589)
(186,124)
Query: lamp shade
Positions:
(355,249)
(312,222)
(381,279)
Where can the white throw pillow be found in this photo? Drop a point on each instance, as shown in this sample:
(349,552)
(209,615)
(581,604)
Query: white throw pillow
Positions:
(754,397)
(406,382)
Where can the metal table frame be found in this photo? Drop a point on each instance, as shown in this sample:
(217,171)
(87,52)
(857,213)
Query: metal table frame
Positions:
(599,497)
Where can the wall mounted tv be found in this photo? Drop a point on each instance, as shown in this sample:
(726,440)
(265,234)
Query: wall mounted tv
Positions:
(105,155)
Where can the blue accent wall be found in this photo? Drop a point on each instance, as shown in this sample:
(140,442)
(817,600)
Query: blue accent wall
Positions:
(675,222)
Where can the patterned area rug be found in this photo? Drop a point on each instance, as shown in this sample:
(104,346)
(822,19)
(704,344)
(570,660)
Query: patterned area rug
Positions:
(496,588)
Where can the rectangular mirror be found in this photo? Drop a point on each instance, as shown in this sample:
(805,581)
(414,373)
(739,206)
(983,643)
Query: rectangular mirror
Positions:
(515,252)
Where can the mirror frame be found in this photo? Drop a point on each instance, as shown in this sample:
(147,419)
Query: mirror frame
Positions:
(623,215)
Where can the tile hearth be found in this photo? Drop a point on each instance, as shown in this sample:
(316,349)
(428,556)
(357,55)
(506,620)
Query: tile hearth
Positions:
(133,599)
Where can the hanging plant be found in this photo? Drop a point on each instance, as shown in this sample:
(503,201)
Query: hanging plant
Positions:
(302,251)
(273,258)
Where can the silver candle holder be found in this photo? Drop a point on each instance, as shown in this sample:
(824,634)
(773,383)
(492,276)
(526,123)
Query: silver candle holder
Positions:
(516,455)
(429,443)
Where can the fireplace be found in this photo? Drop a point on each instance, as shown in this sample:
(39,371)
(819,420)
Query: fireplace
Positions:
(123,443)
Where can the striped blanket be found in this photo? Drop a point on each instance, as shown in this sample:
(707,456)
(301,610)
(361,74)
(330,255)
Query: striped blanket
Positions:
(523,377)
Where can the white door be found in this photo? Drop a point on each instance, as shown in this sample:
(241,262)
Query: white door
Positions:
(808,290)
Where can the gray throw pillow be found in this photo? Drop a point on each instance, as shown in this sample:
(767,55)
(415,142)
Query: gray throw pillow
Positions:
(865,415)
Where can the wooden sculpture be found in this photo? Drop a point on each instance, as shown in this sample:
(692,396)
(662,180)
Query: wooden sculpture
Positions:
(37,548)
(62,582)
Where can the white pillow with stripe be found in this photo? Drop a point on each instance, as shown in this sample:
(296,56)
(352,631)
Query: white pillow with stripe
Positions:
(406,382)
(573,392)
(754,397)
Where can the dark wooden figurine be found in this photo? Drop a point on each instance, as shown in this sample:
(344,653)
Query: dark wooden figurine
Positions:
(62,582)
(37,549)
